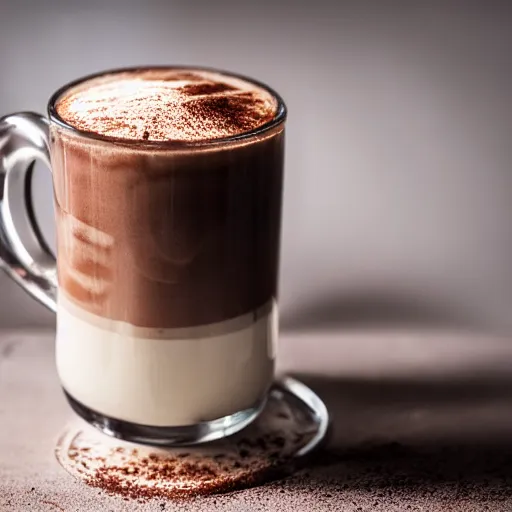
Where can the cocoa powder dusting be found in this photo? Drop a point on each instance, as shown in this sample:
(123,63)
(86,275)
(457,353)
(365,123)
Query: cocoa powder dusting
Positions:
(167,105)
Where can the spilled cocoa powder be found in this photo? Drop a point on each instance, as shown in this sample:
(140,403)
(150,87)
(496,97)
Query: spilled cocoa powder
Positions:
(187,475)
(261,453)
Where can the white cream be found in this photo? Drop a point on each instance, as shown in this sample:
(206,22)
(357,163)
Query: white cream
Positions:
(165,377)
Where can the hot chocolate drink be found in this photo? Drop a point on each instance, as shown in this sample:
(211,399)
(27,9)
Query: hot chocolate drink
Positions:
(168,195)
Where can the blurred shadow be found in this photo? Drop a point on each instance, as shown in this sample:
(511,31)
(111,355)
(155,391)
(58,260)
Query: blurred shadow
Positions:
(415,436)
(444,477)
(372,308)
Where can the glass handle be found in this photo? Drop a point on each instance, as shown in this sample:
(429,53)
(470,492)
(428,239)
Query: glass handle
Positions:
(24,254)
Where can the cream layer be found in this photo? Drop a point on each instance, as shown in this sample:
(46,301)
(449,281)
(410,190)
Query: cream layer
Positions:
(165,377)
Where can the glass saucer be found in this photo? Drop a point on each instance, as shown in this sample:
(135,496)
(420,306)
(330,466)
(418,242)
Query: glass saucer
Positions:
(292,424)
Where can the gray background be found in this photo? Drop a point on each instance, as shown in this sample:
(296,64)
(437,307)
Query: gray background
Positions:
(399,183)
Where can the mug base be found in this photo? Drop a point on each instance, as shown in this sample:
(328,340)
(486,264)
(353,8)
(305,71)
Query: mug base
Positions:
(167,436)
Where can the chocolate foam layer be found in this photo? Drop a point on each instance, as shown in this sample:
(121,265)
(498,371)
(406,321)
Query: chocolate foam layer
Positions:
(168,239)
(167,105)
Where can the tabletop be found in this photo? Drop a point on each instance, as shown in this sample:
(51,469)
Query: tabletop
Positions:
(421,420)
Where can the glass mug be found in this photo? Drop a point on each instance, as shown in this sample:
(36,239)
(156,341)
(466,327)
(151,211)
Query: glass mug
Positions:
(165,280)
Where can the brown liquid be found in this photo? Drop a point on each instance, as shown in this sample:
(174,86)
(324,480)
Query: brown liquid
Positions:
(166,238)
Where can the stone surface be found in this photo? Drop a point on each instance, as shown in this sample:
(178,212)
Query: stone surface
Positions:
(421,421)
